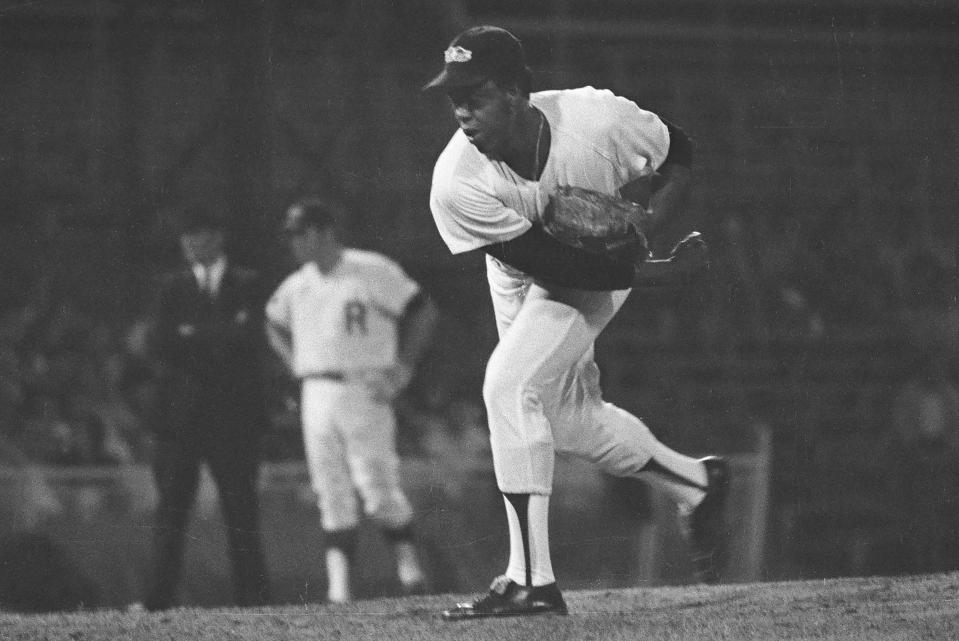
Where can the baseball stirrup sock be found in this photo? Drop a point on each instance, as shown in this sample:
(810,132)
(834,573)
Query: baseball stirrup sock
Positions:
(337,576)
(395,535)
(340,550)
(520,505)
(407,560)
(344,540)
(408,568)
(528,517)
(683,478)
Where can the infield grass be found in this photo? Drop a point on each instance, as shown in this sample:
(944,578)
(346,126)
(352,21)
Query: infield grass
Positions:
(862,609)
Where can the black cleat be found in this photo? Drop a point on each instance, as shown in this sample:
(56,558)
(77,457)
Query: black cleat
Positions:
(706,524)
(507,598)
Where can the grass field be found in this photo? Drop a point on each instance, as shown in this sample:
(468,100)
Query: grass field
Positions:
(867,609)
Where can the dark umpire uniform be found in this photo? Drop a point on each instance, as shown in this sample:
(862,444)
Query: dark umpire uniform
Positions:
(209,349)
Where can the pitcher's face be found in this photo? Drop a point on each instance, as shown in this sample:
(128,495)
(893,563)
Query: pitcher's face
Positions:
(487,114)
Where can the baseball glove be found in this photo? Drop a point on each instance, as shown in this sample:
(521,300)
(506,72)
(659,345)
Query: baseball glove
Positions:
(597,223)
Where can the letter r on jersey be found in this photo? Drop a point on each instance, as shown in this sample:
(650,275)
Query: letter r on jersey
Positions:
(355,317)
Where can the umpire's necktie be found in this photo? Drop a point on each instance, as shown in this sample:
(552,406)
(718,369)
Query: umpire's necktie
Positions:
(207,285)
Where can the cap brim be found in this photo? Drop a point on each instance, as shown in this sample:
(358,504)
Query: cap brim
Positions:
(447,79)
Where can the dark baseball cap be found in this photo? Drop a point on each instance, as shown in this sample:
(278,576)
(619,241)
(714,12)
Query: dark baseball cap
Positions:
(478,54)
(195,219)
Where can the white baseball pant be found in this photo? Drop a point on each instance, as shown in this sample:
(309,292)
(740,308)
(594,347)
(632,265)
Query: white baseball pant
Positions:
(541,387)
(349,438)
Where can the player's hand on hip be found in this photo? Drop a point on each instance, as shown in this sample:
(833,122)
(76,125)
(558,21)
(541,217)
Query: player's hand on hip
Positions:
(393,381)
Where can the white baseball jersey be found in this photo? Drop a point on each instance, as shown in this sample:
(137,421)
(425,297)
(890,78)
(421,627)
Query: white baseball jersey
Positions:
(345,320)
(600,141)
(541,385)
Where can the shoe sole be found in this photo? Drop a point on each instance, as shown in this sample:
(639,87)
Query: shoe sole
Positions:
(449,616)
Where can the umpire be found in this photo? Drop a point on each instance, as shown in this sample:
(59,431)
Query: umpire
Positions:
(208,346)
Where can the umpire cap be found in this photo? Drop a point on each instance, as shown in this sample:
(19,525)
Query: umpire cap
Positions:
(196,219)
(479,54)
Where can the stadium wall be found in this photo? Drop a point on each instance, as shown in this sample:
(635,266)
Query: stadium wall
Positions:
(606,533)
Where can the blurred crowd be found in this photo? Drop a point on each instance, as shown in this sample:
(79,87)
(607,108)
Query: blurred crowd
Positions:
(79,390)
(71,390)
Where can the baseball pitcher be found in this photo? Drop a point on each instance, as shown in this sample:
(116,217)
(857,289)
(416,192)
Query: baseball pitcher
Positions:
(534,180)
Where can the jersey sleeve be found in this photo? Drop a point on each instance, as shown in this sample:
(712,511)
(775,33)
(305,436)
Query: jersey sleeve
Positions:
(639,138)
(467,216)
(392,287)
(277,310)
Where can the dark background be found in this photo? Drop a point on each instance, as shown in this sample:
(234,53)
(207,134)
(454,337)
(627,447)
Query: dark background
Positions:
(826,163)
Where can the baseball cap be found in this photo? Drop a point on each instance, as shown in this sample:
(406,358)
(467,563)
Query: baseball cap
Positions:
(310,212)
(478,54)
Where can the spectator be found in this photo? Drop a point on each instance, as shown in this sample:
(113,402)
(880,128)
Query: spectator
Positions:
(450,431)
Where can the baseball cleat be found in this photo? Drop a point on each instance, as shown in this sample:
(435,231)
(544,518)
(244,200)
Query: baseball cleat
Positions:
(508,598)
(706,524)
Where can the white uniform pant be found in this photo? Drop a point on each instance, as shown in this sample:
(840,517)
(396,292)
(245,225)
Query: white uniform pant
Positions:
(542,389)
(349,439)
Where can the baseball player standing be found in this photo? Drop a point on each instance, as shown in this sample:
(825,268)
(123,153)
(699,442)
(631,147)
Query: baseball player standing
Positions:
(351,325)
(491,184)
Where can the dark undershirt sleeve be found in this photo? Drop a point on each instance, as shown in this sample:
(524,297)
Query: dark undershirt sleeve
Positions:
(680,146)
(543,257)
(417,301)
